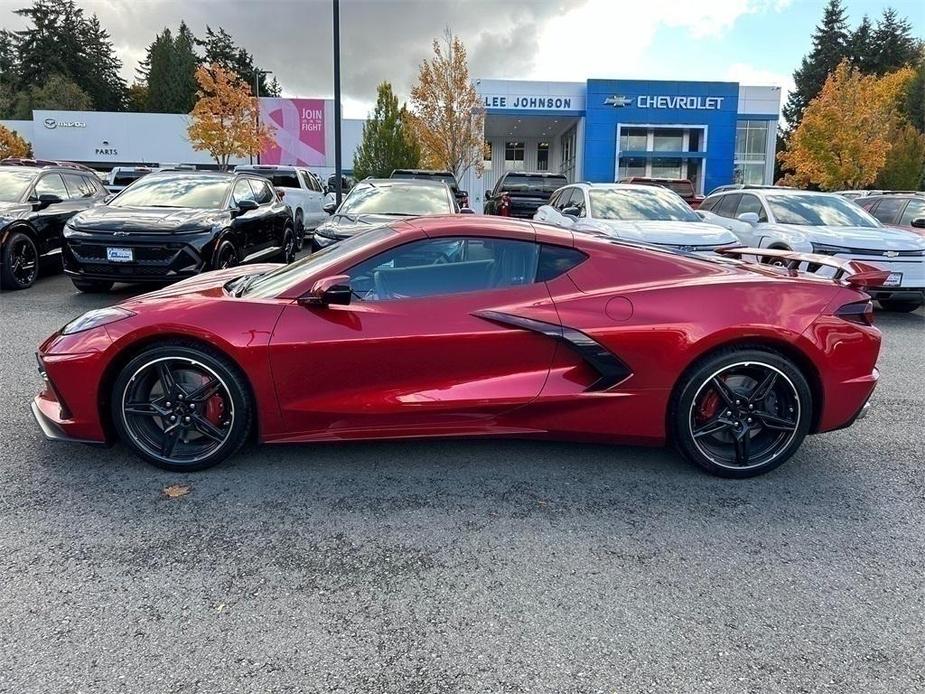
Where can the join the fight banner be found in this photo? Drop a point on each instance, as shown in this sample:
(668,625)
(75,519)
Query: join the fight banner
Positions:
(298,127)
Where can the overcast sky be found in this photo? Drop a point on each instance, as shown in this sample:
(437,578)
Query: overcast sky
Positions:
(752,41)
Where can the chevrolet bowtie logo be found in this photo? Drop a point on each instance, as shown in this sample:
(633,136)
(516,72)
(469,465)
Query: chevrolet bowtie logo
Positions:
(618,101)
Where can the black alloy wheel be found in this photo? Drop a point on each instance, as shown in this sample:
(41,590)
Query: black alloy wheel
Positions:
(225,256)
(287,254)
(743,413)
(299,230)
(181,408)
(20,262)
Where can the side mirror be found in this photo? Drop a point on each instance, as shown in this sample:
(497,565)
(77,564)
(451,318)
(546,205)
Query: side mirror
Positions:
(109,198)
(571,212)
(246,206)
(327,291)
(466,210)
(44,200)
(329,207)
(748,218)
(919,222)
(463,193)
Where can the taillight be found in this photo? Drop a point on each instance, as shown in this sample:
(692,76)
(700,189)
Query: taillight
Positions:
(861,312)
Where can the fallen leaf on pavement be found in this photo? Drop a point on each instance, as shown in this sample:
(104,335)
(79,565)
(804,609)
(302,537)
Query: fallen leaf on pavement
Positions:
(176,490)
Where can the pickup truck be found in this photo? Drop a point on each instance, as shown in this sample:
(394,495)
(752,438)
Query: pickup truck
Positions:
(681,186)
(521,193)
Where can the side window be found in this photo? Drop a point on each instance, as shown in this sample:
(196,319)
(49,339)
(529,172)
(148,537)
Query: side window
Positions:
(435,267)
(578,200)
(262,192)
(554,199)
(242,191)
(307,181)
(77,186)
(888,209)
(727,205)
(914,210)
(751,203)
(51,184)
(556,260)
(709,203)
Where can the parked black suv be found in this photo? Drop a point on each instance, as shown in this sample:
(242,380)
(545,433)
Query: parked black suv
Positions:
(462,196)
(35,202)
(174,224)
(522,193)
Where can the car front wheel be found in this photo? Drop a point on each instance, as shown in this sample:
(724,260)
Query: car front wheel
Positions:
(182,407)
(19,262)
(741,412)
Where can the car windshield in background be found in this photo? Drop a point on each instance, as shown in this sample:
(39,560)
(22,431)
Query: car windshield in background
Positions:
(410,200)
(818,210)
(124,179)
(199,192)
(278,179)
(275,282)
(640,204)
(14,183)
(446,178)
(682,188)
(539,184)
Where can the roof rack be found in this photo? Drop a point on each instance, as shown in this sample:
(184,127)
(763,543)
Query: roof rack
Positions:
(43,163)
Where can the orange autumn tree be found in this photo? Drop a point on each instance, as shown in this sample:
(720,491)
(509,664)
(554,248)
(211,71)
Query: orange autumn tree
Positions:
(12,145)
(448,116)
(225,120)
(844,138)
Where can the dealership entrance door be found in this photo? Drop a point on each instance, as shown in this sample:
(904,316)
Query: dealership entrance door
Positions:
(662,151)
(521,142)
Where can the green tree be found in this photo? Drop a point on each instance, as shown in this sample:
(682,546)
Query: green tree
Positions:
(388,141)
(169,72)
(914,102)
(861,46)
(892,43)
(219,48)
(905,164)
(57,94)
(830,47)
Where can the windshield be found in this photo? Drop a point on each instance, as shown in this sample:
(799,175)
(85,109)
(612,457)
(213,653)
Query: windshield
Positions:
(818,210)
(275,282)
(279,179)
(639,204)
(124,178)
(200,192)
(447,178)
(539,184)
(14,183)
(413,200)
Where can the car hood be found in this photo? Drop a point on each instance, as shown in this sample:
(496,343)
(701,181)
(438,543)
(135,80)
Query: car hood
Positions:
(880,238)
(145,219)
(348,225)
(13,210)
(668,233)
(204,283)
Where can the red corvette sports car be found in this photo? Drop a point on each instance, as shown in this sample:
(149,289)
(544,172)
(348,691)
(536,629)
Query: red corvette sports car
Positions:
(474,326)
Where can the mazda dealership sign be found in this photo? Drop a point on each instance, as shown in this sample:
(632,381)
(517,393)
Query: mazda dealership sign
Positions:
(54,123)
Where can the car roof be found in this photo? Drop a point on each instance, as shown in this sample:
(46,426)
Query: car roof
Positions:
(619,186)
(423,172)
(401,182)
(53,168)
(249,168)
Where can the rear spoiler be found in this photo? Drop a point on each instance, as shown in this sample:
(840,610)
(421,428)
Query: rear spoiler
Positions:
(851,272)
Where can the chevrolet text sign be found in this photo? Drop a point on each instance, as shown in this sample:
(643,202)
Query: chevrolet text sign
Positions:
(691,103)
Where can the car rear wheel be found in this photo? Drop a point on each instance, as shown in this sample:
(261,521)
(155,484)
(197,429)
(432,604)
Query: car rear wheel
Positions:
(182,408)
(741,412)
(299,230)
(899,305)
(287,254)
(20,262)
(225,256)
(92,286)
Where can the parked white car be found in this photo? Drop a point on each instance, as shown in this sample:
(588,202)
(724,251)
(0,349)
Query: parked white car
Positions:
(302,191)
(646,214)
(828,224)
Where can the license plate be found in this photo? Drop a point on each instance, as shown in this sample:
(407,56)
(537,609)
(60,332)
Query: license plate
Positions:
(894,279)
(119,255)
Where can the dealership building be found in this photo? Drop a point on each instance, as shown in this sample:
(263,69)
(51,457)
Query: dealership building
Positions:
(712,133)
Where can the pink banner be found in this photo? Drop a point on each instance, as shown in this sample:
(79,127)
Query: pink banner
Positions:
(298,127)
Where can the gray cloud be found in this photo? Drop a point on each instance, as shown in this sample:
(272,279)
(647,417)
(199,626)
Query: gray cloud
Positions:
(380,39)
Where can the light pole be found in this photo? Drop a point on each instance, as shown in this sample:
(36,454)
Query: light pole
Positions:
(257,74)
(338,169)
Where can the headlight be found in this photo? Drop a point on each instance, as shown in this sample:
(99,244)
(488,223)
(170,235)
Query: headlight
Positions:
(96,318)
(826,249)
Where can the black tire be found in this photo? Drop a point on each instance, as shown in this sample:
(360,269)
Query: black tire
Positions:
(299,230)
(92,286)
(19,261)
(719,419)
(287,254)
(209,430)
(226,255)
(899,305)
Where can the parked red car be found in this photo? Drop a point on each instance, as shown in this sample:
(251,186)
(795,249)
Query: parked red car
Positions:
(469,326)
(905,210)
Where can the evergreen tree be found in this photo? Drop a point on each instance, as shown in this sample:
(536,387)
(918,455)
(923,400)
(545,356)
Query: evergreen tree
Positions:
(57,94)
(830,47)
(893,45)
(388,142)
(861,46)
(914,103)
(219,48)
(169,72)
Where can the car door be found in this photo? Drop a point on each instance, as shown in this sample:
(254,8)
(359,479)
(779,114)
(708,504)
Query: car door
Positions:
(915,209)
(247,227)
(49,221)
(270,224)
(750,234)
(314,199)
(889,210)
(421,350)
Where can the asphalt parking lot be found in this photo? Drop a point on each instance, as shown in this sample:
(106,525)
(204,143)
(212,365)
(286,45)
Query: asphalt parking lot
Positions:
(502,566)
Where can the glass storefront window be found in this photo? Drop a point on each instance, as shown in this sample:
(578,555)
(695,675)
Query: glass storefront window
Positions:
(665,140)
(542,156)
(514,156)
(634,166)
(751,152)
(666,168)
(634,140)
